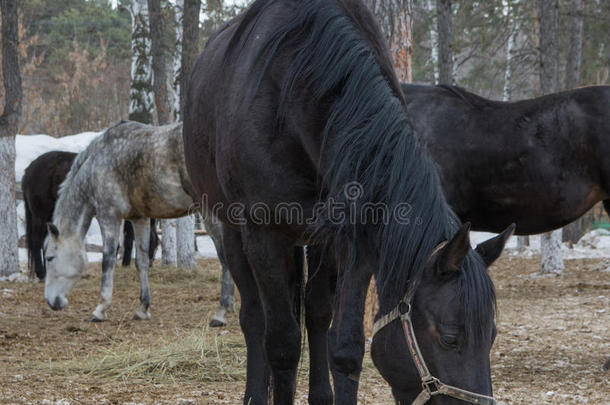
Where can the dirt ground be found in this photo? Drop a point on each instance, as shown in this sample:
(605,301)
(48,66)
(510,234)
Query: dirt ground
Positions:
(553,337)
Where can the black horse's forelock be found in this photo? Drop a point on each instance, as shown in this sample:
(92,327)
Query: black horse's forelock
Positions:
(368,139)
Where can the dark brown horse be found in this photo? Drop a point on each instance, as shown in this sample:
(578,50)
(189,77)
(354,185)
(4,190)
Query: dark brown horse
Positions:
(296,133)
(540,163)
(40,184)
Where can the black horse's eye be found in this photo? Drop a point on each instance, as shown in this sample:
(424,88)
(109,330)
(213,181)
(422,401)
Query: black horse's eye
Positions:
(449,341)
(50,258)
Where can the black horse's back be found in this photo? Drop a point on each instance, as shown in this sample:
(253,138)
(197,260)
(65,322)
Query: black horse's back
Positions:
(40,184)
(540,163)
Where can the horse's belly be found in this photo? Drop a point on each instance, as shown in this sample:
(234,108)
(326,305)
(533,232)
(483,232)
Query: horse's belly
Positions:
(534,210)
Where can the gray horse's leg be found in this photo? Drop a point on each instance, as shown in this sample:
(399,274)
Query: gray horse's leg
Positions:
(141,229)
(227,287)
(110,226)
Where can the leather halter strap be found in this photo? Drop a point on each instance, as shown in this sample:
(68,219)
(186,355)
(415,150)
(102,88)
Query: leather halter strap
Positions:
(431,386)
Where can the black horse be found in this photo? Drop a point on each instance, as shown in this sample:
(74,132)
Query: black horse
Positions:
(539,163)
(295,126)
(40,184)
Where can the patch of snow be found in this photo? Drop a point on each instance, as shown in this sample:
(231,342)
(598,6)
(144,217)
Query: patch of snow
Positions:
(29,147)
(594,244)
(205,247)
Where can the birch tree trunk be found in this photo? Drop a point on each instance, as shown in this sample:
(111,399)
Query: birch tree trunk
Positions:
(514,27)
(9,124)
(574,231)
(513,24)
(187,14)
(434,39)
(185,242)
(445,42)
(169,254)
(547,16)
(140,93)
(396,20)
(161,64)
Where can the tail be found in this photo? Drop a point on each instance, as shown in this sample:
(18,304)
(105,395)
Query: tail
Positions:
(35,232)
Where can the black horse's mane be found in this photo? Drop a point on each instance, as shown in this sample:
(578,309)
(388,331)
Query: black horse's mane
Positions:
(368,139)
(474,100)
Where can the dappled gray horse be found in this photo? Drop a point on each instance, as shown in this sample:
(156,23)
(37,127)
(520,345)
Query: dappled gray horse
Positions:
(132,171)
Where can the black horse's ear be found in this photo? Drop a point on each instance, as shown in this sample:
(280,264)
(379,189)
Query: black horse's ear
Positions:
(53,231)
(453,254)
(491,249)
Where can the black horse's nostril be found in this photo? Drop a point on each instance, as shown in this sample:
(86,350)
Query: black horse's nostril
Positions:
(56,305)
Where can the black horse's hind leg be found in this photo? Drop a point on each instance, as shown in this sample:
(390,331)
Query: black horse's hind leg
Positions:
(36,231)
(318,314)
(272,259)
(127,243)
(251,319)
(346,337)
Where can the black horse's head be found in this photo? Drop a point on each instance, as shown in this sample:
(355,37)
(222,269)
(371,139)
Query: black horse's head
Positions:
(452,313)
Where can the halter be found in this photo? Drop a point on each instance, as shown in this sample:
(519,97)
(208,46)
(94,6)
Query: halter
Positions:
(431,386)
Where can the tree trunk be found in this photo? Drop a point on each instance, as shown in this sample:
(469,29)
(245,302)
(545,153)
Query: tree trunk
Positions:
(445,42)
(140,93)
(190,48)
(575,44)
(574,231)
(168,242)
(547,16)
(434,39)
(185,241)
(513,24)
(550,252)
(396,20)
(158,30)
(9,124)
(187,19)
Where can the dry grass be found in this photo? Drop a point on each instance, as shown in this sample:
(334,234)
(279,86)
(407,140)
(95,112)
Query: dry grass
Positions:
(199,356)
(551,343)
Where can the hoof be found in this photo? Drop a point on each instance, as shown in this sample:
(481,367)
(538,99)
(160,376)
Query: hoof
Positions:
(215,323)
(141,316)
(219,318)
(96,319)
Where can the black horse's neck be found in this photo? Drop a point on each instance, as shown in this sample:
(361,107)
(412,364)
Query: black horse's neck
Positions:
(368,142)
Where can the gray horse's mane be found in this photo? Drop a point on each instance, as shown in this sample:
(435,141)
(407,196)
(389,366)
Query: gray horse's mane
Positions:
(94,147)
(67,186)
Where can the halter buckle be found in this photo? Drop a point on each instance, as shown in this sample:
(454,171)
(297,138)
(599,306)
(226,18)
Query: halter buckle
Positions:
(431,385)
(404,309)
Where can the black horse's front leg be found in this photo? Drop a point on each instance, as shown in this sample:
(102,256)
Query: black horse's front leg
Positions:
(346,337)
(251,319)
(272,259)
(318,315)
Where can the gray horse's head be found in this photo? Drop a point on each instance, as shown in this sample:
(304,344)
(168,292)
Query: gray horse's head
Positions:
(66,262)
